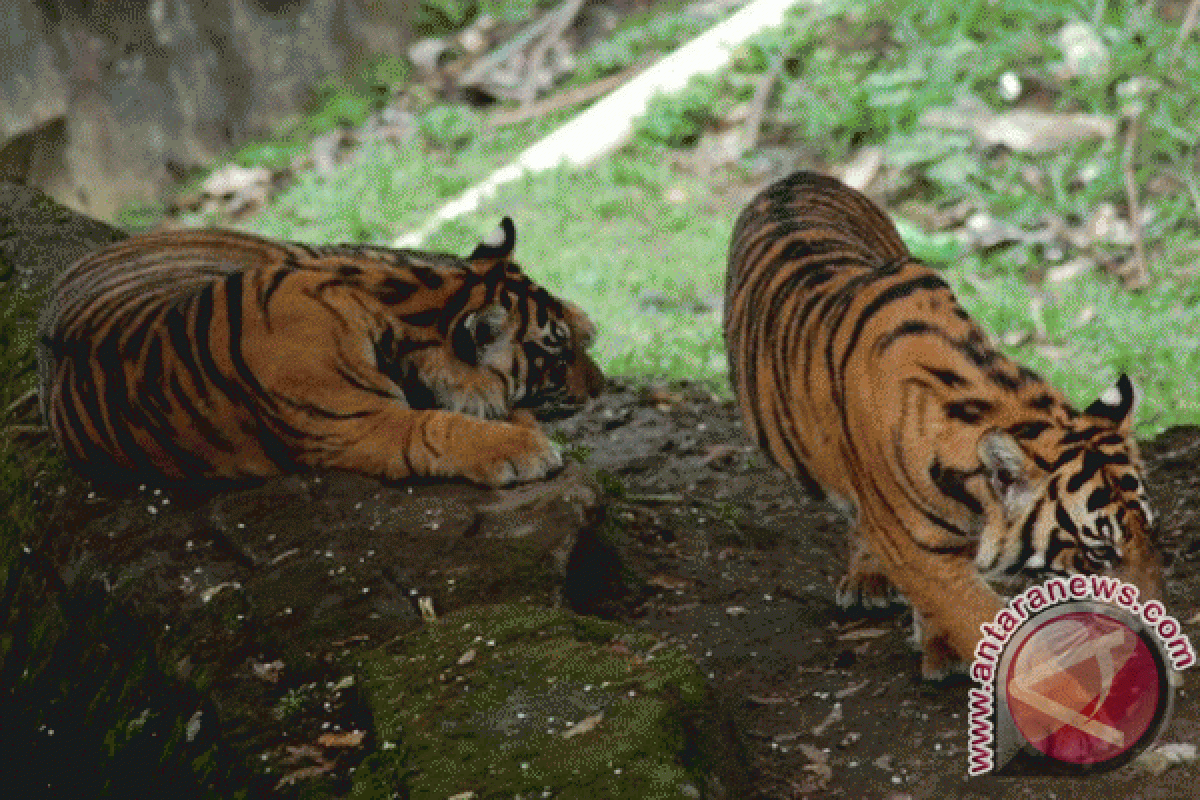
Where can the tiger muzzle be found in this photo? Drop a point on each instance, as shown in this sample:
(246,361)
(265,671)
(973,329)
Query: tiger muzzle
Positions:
(1142,567)
(584,380)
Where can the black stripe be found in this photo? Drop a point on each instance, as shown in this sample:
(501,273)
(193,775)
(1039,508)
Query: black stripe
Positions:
(233,319)
(953,484)
(278,276)
(1025,537)
(976,349)
(1099,498)
(119,412)
(1029,430)
(948,377)
(970,410)
(902,331)
(271,445)
(181,341)
(1025,549)
(89,455)
(1092,462)
(1042,402)
(201,420)
(900,291)
(429,278)
(423,319)
(394,290)
(1081,435)
(1064,520)
(1003,380)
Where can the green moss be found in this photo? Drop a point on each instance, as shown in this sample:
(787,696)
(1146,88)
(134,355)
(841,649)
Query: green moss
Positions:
(480,701)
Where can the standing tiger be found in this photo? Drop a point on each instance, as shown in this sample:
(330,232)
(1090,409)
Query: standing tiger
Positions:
(860,374)
(210,355)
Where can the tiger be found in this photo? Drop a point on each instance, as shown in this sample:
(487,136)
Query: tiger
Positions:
(211,356)
(961,473)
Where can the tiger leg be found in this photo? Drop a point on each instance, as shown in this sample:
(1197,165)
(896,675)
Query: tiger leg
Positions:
(950,602)
(938,659)
(865,584)
(398,442)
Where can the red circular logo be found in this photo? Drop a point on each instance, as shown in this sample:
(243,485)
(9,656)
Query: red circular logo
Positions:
(1083,688)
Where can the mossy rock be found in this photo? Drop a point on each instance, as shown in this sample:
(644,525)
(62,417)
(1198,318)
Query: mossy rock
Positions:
(515,700)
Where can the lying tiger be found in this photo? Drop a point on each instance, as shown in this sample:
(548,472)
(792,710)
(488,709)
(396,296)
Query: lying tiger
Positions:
(209,355)
(861,375)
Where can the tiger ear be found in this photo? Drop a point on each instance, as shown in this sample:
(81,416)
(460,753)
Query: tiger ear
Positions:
(1117,404)
(1009,472)
(497,247)
(581,325)
(478,331)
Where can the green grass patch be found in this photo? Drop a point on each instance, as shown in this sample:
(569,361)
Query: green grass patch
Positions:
(641,243)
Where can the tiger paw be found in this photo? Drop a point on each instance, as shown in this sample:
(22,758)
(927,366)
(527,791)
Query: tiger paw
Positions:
(521,453)
(866,590)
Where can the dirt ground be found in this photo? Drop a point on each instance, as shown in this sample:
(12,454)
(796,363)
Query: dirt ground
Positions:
(739,565)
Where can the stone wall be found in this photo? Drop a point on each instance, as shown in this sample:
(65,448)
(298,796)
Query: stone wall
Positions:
(101,103)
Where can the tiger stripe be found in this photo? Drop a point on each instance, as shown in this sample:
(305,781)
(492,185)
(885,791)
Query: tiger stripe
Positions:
(213,355)
(859,373)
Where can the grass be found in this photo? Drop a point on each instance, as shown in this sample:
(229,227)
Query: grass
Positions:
(639,240)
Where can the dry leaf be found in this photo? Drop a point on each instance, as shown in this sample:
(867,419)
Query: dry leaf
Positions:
(467,657)
(1165,756)
(584,725)
(1084,52)
(862,169)
(814,754)
(842,694)
(862,633)
(301,752)
(718,452)
(662,580)
(660,397)
(1070,270)
(267,672)
(819,766)
(345,739)
(833,717)
(1021,130)
(1016,338)
(425,606)
(304,773)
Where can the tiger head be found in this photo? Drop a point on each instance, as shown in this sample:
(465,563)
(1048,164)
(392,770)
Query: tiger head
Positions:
(1080,508)
(511,344)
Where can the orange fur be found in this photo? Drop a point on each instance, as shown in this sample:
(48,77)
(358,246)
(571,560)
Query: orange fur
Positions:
(860,374)
(219,355)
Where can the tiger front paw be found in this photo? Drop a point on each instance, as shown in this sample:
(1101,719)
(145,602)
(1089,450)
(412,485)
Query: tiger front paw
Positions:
(939,662)
(518,453)
(865,586)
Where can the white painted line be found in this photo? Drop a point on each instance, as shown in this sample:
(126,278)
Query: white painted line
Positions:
(608,124)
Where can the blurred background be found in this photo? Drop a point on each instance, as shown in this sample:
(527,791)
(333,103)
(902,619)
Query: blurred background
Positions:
(1046,153)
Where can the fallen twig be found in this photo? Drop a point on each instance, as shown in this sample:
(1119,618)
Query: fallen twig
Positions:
(560,19)
(1137,276)
(25,401)
(758,104)
(24,430)
(564,99)
(1190,18)
(1189,177)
